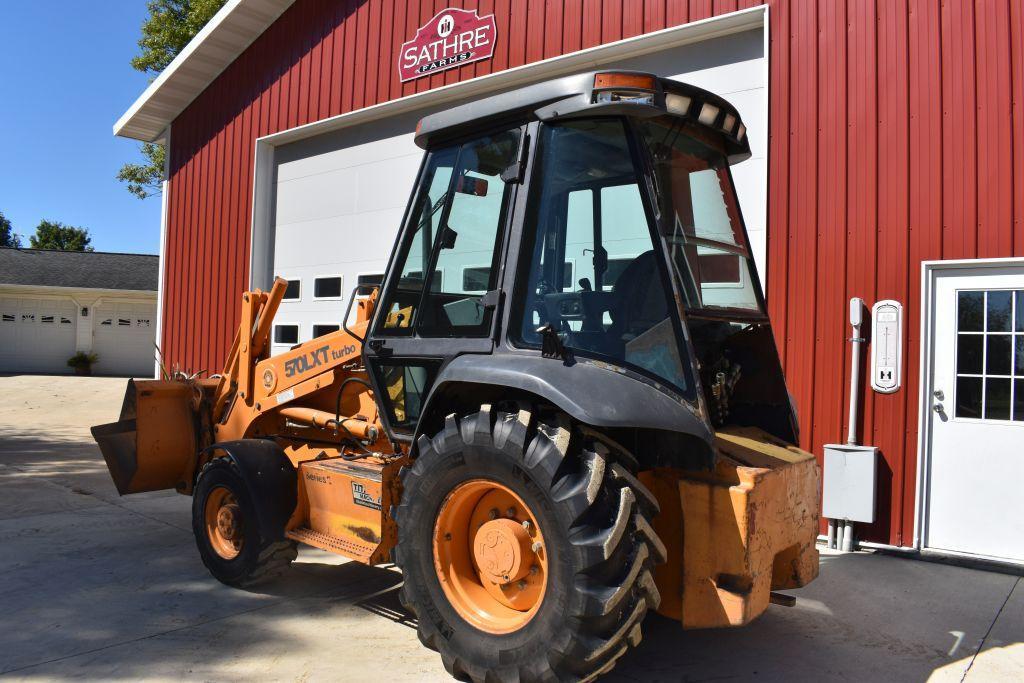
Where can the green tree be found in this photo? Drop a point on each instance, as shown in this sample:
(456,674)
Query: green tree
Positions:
(7,236)
(171,24)
(145,179)
(53,235)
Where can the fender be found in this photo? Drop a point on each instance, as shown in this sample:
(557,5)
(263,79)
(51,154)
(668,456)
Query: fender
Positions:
(593,393)
(270,478)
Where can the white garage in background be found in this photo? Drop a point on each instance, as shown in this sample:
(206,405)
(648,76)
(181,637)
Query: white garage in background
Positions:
(56,303)
(330,196)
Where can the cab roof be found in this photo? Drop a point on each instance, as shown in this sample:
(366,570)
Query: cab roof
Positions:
(594,93)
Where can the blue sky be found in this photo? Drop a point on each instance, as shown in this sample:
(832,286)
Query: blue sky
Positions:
(65,79)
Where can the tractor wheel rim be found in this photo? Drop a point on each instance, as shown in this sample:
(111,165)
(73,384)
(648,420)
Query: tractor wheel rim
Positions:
(490,557)
(224,523)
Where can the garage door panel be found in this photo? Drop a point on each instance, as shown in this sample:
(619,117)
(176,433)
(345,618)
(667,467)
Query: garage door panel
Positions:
(123,337)
(328,241)
(319,195)
(386,185)
(348,148)
(37,334)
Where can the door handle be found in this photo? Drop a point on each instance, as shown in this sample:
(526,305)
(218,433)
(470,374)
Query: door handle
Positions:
(937,408)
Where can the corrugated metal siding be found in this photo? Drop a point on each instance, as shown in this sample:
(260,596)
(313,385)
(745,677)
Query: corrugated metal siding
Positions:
(896,136)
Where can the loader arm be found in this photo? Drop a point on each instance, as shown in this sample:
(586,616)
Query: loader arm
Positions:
(260,395)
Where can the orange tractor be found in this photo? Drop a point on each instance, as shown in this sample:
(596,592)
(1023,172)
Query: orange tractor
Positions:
(562,407)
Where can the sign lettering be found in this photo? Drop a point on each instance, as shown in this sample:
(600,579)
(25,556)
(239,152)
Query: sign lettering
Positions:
(454,37)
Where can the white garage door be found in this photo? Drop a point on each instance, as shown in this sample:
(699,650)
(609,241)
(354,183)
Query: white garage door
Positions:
(124,334)
(36,334)
(340,196)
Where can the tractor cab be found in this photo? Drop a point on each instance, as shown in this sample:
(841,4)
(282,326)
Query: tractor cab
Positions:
(583,233)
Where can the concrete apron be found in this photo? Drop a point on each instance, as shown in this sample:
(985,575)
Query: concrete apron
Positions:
(97,586)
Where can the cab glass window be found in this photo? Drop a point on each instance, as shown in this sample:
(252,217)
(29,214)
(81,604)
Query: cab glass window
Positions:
(586,209)
(456,225)
(700,216)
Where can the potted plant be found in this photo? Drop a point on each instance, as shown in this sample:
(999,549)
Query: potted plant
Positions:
(82,362)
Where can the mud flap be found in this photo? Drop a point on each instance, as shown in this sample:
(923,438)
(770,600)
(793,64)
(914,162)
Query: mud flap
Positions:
(153,445)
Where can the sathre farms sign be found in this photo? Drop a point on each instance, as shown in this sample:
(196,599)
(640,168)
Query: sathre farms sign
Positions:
(452,38)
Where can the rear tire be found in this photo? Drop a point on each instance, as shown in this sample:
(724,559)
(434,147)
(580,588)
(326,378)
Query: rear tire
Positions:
(240,556)
(595,519)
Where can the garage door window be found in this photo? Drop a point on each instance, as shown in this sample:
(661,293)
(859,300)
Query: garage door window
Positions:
(294,291)
(328,287)
(286,334)
(325,328)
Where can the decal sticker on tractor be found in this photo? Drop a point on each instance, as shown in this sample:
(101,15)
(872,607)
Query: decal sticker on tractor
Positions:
(454,37)
(360,496)
(297,366)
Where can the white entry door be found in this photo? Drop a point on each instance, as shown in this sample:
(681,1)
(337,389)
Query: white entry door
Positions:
(976,461)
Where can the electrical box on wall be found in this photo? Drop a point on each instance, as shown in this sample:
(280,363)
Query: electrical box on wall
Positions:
(886,346)
(848,485)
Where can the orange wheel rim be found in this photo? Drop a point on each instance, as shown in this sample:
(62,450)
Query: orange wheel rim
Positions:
(490,557)
(224,520)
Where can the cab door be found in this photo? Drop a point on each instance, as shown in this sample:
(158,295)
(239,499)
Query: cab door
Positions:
(442,286)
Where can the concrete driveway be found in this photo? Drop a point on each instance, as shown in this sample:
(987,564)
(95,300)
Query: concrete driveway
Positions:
(101,587)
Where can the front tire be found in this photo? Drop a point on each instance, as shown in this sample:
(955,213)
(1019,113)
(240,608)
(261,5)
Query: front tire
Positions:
(593,566)
(227,534)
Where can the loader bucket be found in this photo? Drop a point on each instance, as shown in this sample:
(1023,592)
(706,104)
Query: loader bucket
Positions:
(153,445)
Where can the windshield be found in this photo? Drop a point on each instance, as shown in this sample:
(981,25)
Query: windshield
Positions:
(589,254)
(702,227)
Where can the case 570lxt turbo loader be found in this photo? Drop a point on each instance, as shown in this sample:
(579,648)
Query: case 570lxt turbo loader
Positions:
(562,408)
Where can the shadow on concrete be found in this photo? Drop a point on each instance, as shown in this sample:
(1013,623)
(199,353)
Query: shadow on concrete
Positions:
(100,586)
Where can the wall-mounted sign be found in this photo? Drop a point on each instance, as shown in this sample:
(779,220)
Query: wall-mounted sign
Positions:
(454,37)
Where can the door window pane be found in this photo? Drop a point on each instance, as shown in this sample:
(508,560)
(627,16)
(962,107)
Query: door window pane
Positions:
(968,396)
(970,311)
(588,211)
(424,218)
(969,354)
(469,236)
(997,398)
(997,354)
(989,349)
(1018,399)
(998,308)
(1019,308)
(406,386)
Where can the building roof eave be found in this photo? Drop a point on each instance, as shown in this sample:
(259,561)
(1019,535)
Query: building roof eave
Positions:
(220,42)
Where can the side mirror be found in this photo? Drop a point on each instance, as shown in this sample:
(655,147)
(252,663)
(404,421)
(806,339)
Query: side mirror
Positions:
(448,237)
(469,185)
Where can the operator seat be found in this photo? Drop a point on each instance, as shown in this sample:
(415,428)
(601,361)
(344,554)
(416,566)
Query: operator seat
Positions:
(639,299)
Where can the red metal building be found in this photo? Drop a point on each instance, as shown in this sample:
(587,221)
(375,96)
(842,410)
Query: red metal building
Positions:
(894,136)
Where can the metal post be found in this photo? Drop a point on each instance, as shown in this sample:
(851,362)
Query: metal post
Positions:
(848,537)
(856,318)
(832,533)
